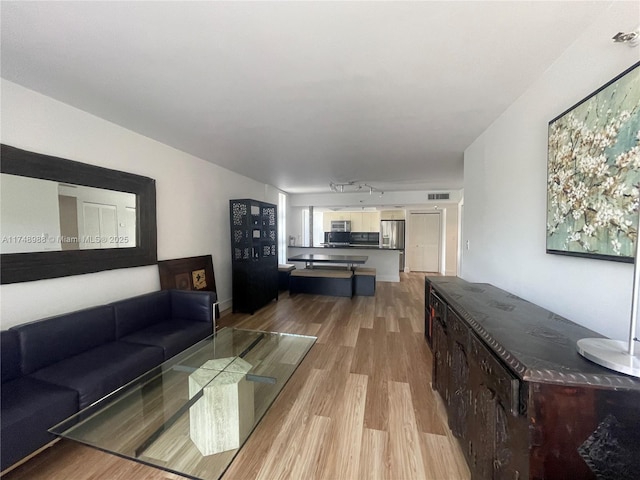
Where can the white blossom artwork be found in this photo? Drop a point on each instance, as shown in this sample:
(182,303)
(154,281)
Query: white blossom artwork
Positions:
(593,176)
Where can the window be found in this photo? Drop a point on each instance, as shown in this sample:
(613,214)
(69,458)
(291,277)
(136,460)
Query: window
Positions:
(318,233)
(282,228)
(305,227)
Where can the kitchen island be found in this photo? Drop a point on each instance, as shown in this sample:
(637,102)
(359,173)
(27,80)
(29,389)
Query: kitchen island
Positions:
(384,260)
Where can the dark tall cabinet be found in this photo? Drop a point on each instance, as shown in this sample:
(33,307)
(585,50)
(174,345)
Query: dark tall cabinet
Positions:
(254,254)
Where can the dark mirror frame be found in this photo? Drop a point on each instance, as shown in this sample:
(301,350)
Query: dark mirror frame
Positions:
(26,267)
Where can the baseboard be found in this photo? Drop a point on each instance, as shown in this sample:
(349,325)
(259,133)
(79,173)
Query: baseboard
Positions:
(387,278)
(226,304)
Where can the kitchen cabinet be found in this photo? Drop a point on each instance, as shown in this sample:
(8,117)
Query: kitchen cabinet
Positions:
(371,221)
(392,215)
(365,221)
(254,254)
(328,217)
(356,222)
(360,221)
(520,399)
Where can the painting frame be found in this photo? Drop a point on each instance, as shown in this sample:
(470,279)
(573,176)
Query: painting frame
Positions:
(593,173)
(190,273)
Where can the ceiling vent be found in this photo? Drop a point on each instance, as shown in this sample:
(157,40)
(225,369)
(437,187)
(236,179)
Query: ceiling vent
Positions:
(438,196)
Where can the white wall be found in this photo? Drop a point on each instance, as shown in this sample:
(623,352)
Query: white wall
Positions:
(192,202)
(505,190)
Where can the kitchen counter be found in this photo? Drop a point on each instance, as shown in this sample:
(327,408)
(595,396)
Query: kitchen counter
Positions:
(384,260)
(366,247)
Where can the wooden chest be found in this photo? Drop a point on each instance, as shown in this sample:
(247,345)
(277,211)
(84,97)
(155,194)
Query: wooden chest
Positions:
(520,399)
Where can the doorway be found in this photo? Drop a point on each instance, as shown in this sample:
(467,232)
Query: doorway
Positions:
(100,226)
(68,222)
(423,245)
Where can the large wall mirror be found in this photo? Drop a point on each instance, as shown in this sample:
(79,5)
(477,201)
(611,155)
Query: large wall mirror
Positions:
(59,217)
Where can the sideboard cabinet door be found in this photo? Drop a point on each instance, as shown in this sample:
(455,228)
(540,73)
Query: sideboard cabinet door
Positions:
(441,369)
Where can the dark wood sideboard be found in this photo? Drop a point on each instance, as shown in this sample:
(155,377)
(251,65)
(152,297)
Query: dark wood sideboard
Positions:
(520,399)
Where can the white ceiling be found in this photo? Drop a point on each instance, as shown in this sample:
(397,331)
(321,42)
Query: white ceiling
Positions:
(296,94)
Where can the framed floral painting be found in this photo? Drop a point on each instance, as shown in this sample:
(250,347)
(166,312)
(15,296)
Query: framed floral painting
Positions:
(593,173)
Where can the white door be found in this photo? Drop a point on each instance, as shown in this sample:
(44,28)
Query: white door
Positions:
(423,245)
(100,226)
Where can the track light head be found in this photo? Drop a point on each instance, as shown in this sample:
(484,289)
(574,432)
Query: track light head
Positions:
(630,38)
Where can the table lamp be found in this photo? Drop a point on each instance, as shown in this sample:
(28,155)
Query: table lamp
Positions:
(618,355)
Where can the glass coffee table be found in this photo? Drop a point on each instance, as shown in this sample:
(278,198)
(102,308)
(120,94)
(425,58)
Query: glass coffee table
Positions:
(192,414)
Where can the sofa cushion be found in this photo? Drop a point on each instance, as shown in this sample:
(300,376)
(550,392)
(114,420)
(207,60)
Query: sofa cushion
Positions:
(9,355)
(45,342)
(101,370)
(172,336)
(140,312)
(29,407)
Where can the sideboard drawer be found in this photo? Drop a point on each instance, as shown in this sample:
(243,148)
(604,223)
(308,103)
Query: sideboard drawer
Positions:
(497,376)
(438,305)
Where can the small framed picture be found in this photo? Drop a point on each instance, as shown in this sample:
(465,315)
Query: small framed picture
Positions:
(191,273)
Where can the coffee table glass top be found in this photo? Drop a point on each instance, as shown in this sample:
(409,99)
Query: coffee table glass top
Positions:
(192,414)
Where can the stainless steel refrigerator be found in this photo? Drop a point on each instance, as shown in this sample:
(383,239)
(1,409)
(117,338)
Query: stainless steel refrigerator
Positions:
(392,236)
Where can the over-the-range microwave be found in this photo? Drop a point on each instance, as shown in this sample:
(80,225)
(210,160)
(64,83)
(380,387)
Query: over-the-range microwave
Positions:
(340,225)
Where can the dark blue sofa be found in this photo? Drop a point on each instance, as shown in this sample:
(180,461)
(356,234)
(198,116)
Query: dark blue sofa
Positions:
(52,368)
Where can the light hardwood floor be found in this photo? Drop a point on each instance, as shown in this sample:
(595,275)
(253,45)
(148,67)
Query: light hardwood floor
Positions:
(360,406)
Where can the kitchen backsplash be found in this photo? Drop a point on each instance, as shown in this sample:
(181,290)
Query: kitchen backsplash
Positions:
(356,238)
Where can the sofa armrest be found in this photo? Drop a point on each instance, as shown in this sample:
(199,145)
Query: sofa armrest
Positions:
(192,305)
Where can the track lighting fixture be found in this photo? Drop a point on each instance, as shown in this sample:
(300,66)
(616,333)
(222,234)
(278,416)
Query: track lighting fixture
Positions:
(630,38)
(340,187)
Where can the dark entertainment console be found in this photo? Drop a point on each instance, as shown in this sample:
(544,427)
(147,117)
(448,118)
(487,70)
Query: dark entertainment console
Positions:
(520,399)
